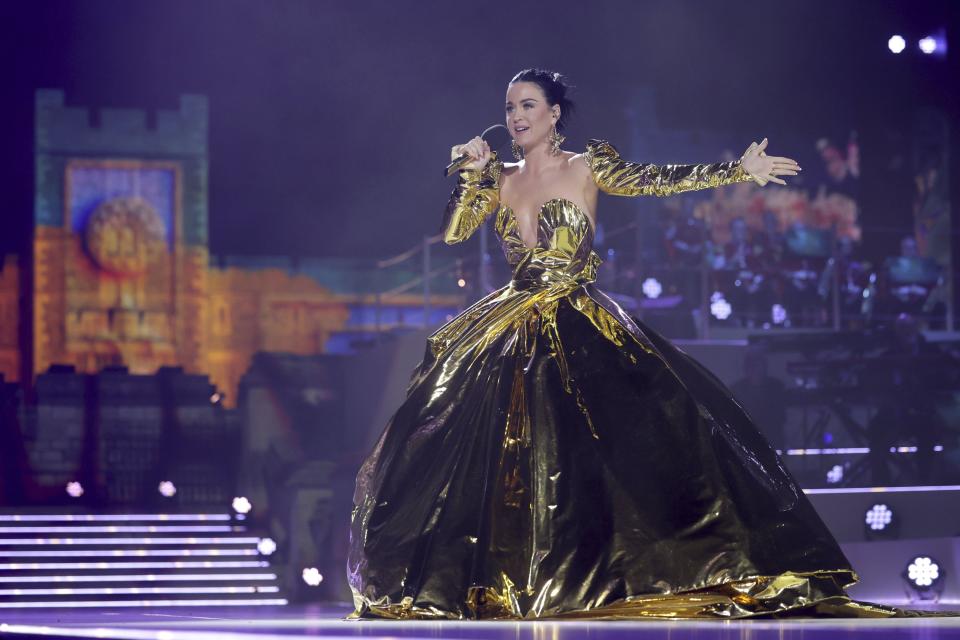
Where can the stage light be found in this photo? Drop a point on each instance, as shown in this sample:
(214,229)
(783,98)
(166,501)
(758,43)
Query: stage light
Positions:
(312,577)
(461,283)
(778,314)
(118,517)
(88,604)
(102,591)
(74,489)
(126,566)
(241,505)
(88,541)
(924,578)
(928,45)
(652,288)
(934,44)
(266,546)
(878,517)
(719,307)
(880,523)
(835,474)
(125,529)
(140,577)
(167,489)
(923,571)
(215,398)
(897,44)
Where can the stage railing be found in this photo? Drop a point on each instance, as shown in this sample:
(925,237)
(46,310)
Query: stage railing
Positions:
(429,273)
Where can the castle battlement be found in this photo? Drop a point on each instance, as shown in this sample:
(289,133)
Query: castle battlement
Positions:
(63,129)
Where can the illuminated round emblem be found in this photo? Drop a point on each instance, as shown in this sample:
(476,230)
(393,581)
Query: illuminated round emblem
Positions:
(125,236)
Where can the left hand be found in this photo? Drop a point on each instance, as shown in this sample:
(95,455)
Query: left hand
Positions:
(763,168)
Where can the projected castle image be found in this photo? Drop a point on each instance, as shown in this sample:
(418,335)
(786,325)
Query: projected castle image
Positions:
(122,272)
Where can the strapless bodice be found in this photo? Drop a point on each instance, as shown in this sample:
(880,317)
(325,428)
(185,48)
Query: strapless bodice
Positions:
(564,250)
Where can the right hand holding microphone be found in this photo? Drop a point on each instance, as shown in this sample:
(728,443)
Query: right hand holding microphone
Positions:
(477,148)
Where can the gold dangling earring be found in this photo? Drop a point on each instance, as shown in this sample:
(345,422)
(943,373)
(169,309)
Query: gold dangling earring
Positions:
(555,141)
(517,150)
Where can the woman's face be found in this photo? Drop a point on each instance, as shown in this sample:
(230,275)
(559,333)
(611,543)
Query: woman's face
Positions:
(528,116)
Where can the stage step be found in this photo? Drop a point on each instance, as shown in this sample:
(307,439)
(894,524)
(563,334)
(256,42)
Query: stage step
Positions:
(856,514)
(80,560)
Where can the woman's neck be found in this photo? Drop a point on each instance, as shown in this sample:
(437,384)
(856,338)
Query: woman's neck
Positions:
(539,159)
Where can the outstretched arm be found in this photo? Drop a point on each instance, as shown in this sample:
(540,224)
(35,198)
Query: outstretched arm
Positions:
(620,177)
(476,196)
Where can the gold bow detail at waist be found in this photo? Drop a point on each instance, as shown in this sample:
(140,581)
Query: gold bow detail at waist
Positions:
(533,292)
(538,274)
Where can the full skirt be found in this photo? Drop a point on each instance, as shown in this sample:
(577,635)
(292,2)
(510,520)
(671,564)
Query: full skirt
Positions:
(556,458)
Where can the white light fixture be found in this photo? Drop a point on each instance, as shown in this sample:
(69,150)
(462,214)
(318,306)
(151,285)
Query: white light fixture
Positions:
(897,44)
(74,489)
(652,288)
(241,505)
(923,571)
(312,577)
(924,577)
(835,474)
(878,517)
(266,546)
(778,314)
(720,308)
(87,541)
(91,604)
(167,489)
(110,517)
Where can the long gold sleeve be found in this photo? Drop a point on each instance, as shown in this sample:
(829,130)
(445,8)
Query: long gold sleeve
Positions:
(620,177)
(476,196)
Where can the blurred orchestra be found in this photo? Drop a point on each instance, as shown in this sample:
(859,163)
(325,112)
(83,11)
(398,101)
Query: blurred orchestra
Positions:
(794,257)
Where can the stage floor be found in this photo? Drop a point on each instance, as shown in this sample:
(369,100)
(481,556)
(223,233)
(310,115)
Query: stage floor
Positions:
(258,623)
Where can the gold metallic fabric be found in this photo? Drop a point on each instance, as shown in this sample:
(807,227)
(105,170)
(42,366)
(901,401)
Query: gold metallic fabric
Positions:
(554,457)
(475,197)
(624,178)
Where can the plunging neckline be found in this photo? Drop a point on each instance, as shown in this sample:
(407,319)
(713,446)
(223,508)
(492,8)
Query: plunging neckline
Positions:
(516,221)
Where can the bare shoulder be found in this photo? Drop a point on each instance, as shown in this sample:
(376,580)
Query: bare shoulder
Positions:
(576,160)
(577,164)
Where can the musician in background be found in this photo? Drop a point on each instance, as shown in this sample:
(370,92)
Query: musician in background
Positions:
(807,251)
(852,278)
(740,277)
(906,281)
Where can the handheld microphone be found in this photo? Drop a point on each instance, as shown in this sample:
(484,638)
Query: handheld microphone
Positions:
(495,136)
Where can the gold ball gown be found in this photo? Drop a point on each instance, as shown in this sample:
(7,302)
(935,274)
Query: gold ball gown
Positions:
(555,458)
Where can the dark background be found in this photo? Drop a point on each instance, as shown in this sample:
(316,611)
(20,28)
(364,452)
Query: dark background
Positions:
(330,121)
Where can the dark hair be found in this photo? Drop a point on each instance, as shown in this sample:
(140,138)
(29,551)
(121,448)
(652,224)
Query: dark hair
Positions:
(554,86)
